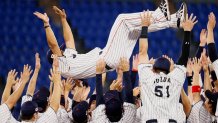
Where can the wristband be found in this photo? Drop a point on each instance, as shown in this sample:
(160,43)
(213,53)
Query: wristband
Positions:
(135,70)
(189,78)
(144,33)
(46,26)
(196,89)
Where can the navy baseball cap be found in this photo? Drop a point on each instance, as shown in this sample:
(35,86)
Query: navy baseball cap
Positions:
(29,108)
(113,105)
(79,112)
(92,98)
(49,53)
(212,99)
(41,97)
(162,64)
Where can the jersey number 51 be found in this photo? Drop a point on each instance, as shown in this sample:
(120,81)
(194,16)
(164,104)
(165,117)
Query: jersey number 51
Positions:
(159,91)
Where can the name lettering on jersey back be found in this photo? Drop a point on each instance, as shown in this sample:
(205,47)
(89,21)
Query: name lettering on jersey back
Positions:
(162,79)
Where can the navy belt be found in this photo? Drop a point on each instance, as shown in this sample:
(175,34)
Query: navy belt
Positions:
(155,121)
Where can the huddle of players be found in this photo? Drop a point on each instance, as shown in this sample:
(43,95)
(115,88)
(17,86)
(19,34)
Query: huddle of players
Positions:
(161,86)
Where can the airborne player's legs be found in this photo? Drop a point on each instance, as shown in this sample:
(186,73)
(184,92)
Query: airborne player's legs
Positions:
(127,28)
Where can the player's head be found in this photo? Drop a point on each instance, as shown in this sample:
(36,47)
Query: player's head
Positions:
(41,98)
(161,65)
(211,102)
(79,112)
(49,53)
(29,111)
(114,108)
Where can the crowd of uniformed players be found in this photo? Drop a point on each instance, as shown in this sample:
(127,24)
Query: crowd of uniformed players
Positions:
(122,102)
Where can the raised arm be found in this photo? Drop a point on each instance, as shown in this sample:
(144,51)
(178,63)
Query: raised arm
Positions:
(186,103)
(203,42)
(134,71)
(124,63)
(196,89)
(56,78)
(205,64)
(32,84)
(67,88)
(143,40)
(189,75)
(51,39)
(68,35)
(99,89)
(210,39)
(25,75)
(187,25)
(10,82)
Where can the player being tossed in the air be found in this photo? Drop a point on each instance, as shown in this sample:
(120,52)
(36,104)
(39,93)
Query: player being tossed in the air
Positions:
(162,81)
(121,42)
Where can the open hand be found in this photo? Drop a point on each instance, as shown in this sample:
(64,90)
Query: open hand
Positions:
(25,75)
(11,77)
(189,23)
(146,18)
(41,16)
(211,22)
(37,61)
(62,13)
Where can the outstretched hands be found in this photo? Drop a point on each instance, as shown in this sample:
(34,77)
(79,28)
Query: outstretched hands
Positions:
(37,61)
(146,18)
(25,75)
(211,22)
(44,17)
(59,12)
(11,77)
(189,23)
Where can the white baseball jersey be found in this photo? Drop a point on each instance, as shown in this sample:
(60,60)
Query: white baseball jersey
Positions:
(215,67)
(129,114)
(5,113)
(48,117)
(121,42)
(199,114)
(63,116)
(160,93)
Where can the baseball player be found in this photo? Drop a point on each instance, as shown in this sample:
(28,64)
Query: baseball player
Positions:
(8,104)
(161,83)
(109,108)
(121,41)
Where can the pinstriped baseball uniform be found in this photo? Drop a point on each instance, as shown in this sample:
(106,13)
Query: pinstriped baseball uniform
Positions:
(160,93)
(199,114)
(129,114)
(48,117)
(5,113)
(215,66)
(63,116)
(121,42)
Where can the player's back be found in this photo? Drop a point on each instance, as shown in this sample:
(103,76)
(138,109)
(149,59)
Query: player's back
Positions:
(160,94)
(79,65)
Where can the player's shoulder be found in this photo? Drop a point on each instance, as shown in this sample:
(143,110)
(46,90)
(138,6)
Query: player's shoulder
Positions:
(143,66)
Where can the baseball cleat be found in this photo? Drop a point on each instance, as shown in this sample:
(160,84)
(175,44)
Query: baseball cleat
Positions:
(181,14)
(164,7)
